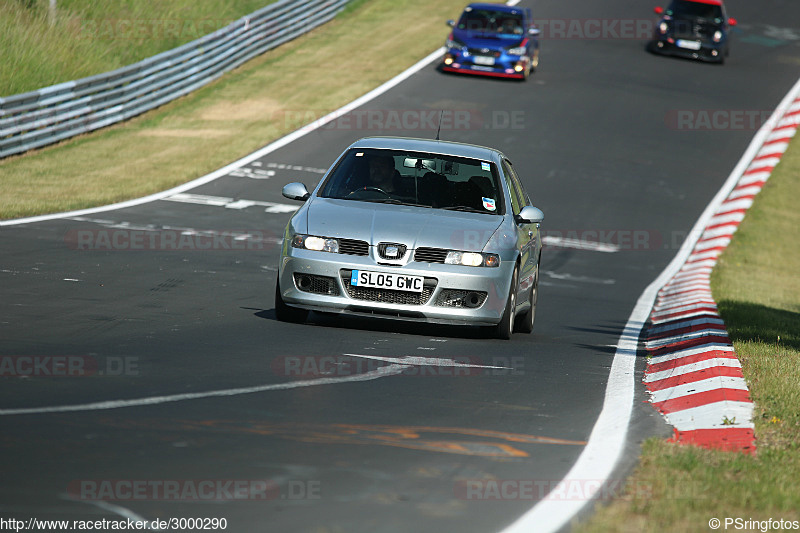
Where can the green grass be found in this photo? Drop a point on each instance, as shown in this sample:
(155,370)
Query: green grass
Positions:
(232,117)
(757,287)
(90,37)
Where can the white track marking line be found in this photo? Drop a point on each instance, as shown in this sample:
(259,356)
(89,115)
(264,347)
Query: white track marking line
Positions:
(563,242)
(389,370)
(229,203)
(112,508)
(425,361)
(570,277)
(608,437)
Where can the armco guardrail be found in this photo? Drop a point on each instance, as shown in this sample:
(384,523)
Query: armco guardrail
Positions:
(38,118)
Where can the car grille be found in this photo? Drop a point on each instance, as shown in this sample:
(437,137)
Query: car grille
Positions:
(430,255)
(353,247)
(460,298)
(483,52)
(389,296)
(316,284)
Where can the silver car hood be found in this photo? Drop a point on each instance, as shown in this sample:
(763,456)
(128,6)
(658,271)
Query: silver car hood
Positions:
(413,226)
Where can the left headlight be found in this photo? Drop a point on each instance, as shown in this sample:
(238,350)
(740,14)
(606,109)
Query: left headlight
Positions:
(516,51)
(717,36)
(472,259)
(320,244)
(663,27)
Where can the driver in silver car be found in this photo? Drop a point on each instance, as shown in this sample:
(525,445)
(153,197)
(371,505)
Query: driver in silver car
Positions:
(382,173)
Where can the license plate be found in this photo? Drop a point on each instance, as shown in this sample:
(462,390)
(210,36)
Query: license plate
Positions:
(483,60)
(384,280)
(689,45)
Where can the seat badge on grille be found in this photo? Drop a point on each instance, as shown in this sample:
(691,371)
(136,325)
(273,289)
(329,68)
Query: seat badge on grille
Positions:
(392,252)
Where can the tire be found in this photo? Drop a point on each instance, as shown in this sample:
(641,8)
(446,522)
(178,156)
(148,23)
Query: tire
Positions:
(505,328)
(524,322)
(285,313)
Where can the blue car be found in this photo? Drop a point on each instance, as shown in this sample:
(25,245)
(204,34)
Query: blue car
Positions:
(493,40)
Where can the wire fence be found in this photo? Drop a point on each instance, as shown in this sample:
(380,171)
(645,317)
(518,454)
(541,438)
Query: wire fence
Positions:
(46,116)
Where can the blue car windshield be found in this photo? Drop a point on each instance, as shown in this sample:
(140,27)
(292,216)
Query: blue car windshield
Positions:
(418,179)
(491,22)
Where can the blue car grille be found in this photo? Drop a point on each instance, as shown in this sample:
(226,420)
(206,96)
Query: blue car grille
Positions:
(484,52)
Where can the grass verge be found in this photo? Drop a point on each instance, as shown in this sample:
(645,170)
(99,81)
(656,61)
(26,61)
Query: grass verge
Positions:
(758,292)
(230,118)
(89,37)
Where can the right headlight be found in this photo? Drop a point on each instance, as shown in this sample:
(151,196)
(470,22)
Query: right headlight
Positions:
(472,259)
(453,43)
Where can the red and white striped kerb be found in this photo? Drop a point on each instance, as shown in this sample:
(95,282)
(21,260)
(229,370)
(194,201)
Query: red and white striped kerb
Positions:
(693,376)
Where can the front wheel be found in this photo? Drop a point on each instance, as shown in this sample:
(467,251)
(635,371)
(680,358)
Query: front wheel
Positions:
(505,328)
(525,321)
(285,313)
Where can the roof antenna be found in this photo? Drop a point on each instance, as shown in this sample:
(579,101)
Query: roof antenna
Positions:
(440,125)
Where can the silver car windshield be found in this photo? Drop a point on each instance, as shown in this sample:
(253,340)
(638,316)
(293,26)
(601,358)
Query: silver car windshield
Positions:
(419,179)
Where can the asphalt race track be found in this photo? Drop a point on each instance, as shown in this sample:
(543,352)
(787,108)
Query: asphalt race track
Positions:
(606,138)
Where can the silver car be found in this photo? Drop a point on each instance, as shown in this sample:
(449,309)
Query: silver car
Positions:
(414,229)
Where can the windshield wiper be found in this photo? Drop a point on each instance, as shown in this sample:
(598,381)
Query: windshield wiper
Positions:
(395,201)
(465,208)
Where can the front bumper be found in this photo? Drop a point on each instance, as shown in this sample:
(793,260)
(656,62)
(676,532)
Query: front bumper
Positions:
(707,51)
(505,66)
(448,288)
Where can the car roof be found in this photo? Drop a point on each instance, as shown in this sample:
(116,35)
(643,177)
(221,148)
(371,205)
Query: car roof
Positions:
(471,151)
(497,7)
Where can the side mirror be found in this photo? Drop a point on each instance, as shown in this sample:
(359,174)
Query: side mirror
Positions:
(533,31)
(659,11)
(732,22)
(451,23)
(530,215)
(296,191)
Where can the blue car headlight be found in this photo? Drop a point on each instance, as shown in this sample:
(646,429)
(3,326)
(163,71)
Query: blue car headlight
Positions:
(451,44)
(516,51)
